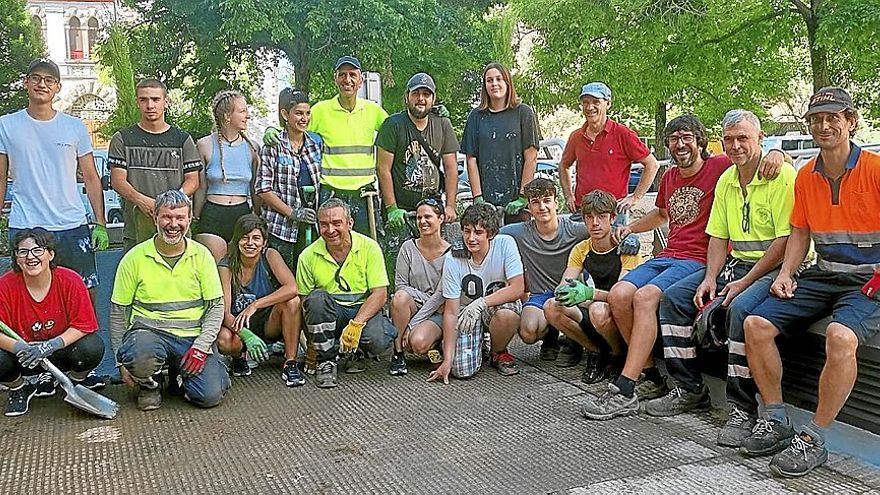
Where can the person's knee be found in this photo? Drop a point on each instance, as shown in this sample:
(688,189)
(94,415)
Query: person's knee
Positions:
(401,301)
(841,342)
(504,319)
(10,368)
(291,306)
(600,315)
(226,341)
(86,353)
(378,335)
(420,342)
(647,297)
(141,355)
(315,305)
(759,330)
(621,294)
(530,331)
(208,394)
(552,311)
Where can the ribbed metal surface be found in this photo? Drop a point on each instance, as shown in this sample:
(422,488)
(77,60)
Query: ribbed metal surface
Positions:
(380,434)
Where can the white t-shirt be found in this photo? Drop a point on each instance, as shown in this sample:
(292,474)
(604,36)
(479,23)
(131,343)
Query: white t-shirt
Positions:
(466,281)
(42,165)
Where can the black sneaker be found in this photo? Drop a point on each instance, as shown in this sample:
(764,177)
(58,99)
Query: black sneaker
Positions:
(569,354)
(678,401)
(325,374)
(355,363)
(737,428)
(92,381)
(596,367)
(45,385)
(292,375)
(768,437)
(19,399)
(398,365)
(240,367)
(802,456)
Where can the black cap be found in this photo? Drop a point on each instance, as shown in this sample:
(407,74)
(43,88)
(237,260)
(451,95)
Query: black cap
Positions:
(829,99)
(421,80)
(46,65)
(288,97)
(347,59)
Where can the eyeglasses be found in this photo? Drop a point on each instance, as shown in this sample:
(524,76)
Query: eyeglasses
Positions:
(746,224)
(341,281)
(831,118)
(36,79)
(683,139)
(35,251)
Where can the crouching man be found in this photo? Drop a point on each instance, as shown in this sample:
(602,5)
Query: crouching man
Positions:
(166,310)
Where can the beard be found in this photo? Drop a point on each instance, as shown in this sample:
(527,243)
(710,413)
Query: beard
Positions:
(416,113)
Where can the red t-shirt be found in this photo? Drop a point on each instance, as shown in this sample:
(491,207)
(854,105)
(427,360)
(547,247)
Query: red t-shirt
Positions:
(604,163)
(67,305)
(688,202)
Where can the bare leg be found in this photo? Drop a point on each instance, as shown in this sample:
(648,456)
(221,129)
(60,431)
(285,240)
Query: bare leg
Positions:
(839,374)
(533,325)
(502,328)
(763,357)
(424,336)
(620,299)
(402,310)
(644,331)
(600,317)
(214,243)
(229,343)
(567,321)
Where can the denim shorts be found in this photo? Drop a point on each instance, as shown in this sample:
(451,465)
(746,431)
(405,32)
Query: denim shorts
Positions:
(73,249)
(662,272)
(539,299)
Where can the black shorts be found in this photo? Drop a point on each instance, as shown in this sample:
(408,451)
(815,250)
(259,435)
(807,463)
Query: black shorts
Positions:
(220,219)
(258,322)
(73,249)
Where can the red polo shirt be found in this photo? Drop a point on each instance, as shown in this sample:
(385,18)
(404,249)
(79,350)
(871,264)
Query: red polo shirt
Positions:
(605,162)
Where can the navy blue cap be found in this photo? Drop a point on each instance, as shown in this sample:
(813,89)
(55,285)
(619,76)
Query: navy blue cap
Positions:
(347,59)
(421,80)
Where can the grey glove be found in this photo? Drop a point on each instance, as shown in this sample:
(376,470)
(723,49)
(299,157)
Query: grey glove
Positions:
(304,215)
(36,351)
(630,245)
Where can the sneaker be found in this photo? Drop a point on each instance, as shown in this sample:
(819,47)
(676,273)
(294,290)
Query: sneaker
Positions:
(802,456)
(355,363)
(549,351)
(739,426)
(276,348)
(768,437)
(19,399)
(648,389)
(596,368)
(610,405)
(505,363)
(291,374)
(149,399)
(398,364)
(325,374)
(569,354)
(92,381)
(240,367)
(45,385)
(678,401)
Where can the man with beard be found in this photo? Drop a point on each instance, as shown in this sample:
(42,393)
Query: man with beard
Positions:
(415,159)
(751,214)
(684,200)
(166,309)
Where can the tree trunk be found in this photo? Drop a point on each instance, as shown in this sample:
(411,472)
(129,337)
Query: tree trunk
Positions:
(818,54)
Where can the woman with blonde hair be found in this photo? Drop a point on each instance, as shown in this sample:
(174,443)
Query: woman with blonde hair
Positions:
(226,186)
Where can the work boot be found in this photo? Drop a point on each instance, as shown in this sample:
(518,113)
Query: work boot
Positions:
(20,398)
(610,405)
(149,399)
(355,363)
(678,401)
(803,455)
(738,427)
(648,389)
(325,376)
(311,362)
(570,353)
(768,437)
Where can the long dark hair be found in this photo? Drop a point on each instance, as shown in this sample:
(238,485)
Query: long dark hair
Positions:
(244,225)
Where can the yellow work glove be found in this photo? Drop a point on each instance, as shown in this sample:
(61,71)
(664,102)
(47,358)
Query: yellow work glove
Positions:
(351,337)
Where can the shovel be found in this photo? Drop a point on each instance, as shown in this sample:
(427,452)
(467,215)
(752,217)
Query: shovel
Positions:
(78,396)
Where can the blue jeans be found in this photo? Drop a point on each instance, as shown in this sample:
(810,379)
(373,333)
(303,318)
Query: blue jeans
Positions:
(144,352)
(677,314)
(662,272)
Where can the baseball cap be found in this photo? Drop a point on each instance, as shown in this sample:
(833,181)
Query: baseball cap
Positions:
(596,90)
(421,80)
(829,99)
(347,59)
(46,65)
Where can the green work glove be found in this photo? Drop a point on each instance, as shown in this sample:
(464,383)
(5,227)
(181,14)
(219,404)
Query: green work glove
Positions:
(515,206)
(479,200)
(396,217)
(100,239)
(256,348)
(574,293)
(271,136)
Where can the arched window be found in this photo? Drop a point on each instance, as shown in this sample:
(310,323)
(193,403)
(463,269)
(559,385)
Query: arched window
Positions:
(38,26)
(92,36)
(74,39)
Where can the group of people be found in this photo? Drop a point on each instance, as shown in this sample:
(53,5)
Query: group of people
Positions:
(755,249)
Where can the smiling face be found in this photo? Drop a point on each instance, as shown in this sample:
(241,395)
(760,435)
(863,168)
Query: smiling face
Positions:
(428,221)
(173,223)
(831,130)
(742,142)
(595,110)
(543,208)
(348,80)
(238,116)
(684,148)
(41,86)
(419,102)
(32,258)
(335,226)
(251,244)
(298,117)
(476,238)
(496,86)
(152,103)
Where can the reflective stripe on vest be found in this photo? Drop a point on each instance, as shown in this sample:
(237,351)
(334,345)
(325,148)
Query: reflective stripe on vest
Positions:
(832,266)
(860,239)
(165,324)
(169,306)
(348,150)
(751,245)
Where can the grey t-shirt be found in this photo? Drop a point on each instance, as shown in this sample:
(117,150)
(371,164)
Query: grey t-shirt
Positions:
(545,261)
(416,275)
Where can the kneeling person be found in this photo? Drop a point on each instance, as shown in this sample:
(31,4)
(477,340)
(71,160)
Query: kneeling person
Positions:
(481,290)
(166,309)
(344,284)
(260,301)
(581,311)
(49,308)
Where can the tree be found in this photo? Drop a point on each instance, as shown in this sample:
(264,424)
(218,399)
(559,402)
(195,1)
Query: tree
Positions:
(114,54)
(20,43)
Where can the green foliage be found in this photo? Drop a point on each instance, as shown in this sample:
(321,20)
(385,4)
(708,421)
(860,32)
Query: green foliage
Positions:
(114,54)
(20,43)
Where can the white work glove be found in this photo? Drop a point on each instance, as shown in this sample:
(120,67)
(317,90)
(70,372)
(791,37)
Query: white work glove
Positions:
(471,315)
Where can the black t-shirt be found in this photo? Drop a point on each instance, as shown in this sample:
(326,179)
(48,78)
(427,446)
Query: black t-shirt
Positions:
(497,140)
(604,268)
(414,175)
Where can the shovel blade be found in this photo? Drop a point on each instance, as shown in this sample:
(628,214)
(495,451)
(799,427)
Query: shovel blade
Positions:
(91,402)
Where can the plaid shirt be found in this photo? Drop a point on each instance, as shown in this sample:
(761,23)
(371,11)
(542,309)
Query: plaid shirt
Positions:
(279,173)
